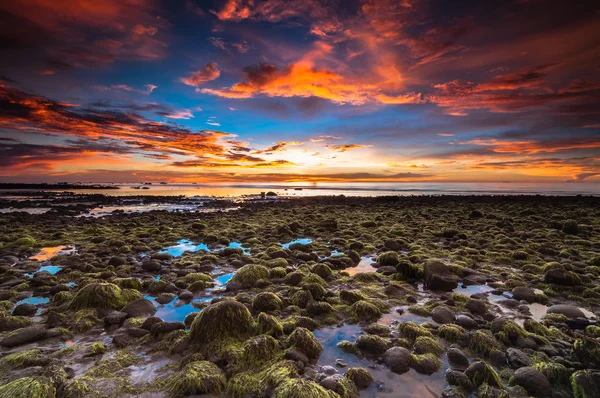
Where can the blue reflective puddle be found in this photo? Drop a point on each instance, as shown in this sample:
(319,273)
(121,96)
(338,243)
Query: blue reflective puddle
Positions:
(35,301)
(223,279)
(238,245)
(303,241)
(156,278)
(472,289)
(70,284)
(51,269)
(175,311)
(183,246)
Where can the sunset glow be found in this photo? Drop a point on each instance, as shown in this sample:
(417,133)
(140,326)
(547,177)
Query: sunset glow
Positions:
(293,91)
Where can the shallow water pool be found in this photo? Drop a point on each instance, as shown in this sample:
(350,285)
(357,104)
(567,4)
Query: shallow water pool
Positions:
(303,241)
(387,383)
(183,246)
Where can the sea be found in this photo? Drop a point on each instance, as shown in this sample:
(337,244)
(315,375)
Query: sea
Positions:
(224,190)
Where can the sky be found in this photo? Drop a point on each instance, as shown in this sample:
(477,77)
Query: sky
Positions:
(299,91)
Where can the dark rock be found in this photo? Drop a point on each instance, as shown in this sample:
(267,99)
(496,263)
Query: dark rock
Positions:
(161,256)
(458,358)
(151,266)
(466,322)
(397,359)
(165,298)
(442,314)
(166,327)
(477,306)
(115,318)
(24,336)
(186,295)
(392,244)
(148,323)
(437,276)
(296,355)
(137,332)
(117,261)
(570,311)
(25,310)
(533,381)
(517,358)
(509,303)
(456,378)
(139,308)
(524,293)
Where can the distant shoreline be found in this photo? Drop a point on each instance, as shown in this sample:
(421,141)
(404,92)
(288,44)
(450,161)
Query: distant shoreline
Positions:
(54,187)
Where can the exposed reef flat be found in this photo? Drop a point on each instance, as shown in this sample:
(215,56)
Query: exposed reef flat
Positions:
(315,297)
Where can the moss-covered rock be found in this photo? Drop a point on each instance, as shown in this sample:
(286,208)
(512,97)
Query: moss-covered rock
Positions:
(200,377)
(425,363)
(103,295)
(304,341)
(388,258)
(364,310)
(302,388)
(249,274)
(220,323)
(428,345)
(411,330)
(266,302)
(480,372)
(267,324)
(28,387)
(452,333)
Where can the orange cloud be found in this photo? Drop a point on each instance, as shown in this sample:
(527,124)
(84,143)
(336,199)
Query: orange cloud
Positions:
(303,79)
(346,147)
(206,74)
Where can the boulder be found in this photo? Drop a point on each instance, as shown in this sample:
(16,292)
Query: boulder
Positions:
(570,311)
(437,276)
(397,359)
(139,308)
(25,310)
(524,293)
(533,381)
(517,358)
(24,336)
(442,314)
(458,358)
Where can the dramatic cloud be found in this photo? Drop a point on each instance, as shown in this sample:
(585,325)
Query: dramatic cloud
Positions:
(206,74)
(304,79)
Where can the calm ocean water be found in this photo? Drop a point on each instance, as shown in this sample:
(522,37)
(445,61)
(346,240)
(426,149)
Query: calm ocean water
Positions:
(353,189)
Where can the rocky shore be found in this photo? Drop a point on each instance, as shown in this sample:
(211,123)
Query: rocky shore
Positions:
(300,298)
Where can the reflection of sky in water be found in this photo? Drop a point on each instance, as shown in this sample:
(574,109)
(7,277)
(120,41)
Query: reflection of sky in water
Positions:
(51,251)
(238,245)
(51,269)
(34,301)
(394,316)
(472,289)
(71,284)
(363,266)
(175,311)
(223,279)
(304,241)
(183,246)
(410,384)
(156,278)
